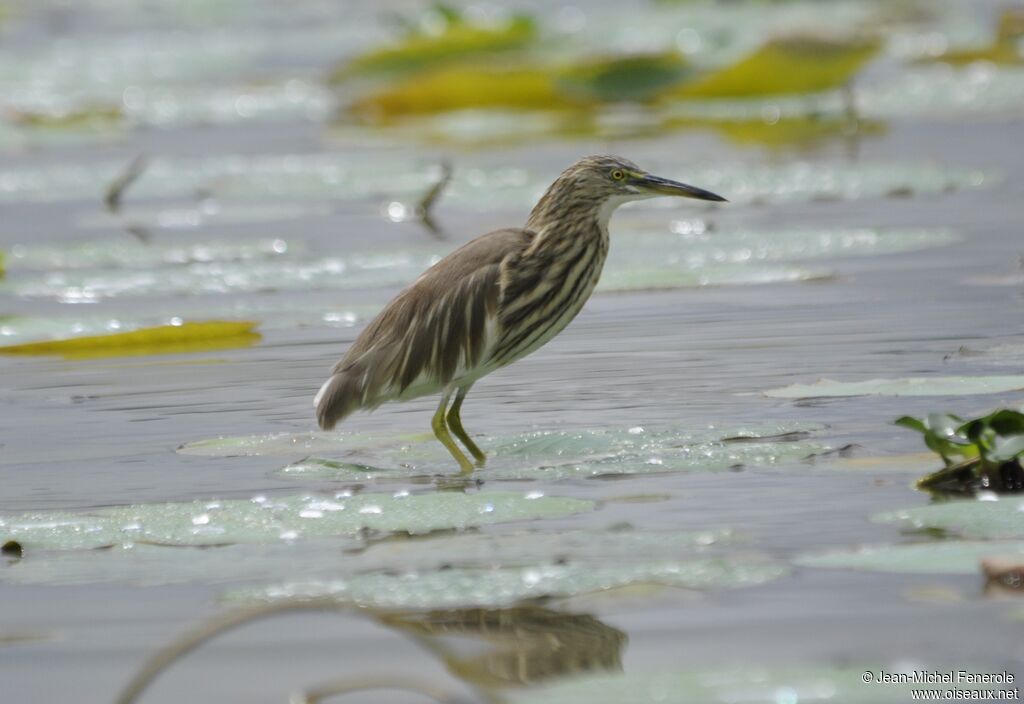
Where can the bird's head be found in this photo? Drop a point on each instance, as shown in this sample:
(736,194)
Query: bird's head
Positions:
(602,183)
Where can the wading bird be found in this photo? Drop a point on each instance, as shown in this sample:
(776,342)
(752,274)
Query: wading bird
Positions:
(494,300)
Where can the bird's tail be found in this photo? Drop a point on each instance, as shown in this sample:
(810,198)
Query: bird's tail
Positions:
(338,397)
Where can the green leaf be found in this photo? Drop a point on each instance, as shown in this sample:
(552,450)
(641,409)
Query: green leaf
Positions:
(912,386)
(936,557)
(622,78)
(786,66)
(1007,449)
(460,587)
(749,684)
(459,41)
(541,455)
(969,519)
(271,519)
(912,423)
(345,556)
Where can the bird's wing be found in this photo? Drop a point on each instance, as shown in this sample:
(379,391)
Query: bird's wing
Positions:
(431,333)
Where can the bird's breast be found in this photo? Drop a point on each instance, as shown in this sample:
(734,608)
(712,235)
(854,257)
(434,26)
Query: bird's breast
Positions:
(543,292)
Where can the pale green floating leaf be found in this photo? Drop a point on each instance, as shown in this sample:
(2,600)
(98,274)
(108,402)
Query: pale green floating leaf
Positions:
(460,587)
(124,253)
(349,177)
(558,455)
(290,443)
(747,684)
(264,520)
(687,255)
(969,519)
(273,313)
(911,386)
(658,257)
(937,557)
(341,557)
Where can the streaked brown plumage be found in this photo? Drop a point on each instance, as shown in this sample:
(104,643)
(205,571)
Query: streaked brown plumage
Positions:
(490,302)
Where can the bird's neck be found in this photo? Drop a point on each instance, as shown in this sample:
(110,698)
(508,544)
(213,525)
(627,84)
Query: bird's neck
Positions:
(562,223)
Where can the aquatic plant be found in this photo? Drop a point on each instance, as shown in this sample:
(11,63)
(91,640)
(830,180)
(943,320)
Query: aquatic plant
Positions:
(984,452)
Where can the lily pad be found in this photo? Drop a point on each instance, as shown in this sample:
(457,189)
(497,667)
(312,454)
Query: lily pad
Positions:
(349,177)
(274,314)
(936,557)
(747,684)
(686,255)
(123,253)
(165,339)
(969,519)
(461,587)
(679,255)
(287,444)
(559,456)
(140,563)
(457,39)
(784,66)
(263,519)
(624,78)
(912,386)
(549,455)
(465,87)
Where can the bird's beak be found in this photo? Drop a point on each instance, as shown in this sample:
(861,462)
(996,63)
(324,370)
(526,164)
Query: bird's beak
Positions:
(665,187)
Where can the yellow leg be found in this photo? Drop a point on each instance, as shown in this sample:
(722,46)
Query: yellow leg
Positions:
(442,434)
(455,424)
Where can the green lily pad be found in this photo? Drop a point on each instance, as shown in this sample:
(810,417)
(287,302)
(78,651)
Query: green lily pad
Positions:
(686,255)
(462,587)
(937,557)
(457,40)
(969,519)
(786,66)
(140,563)
(288,443)
(270,519)
(679,255)
(344,176)
(912,386)
(124,253)
(550,455)
(747,684)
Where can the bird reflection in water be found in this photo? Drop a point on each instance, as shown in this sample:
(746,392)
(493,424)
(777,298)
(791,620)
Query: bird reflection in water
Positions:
(522,645)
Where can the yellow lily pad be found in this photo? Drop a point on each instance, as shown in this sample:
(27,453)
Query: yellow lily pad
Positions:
(532,87)
(87,116)
(785,66)
(457,41)
(1004,50)
(800,131)
(464,87)
(163,339)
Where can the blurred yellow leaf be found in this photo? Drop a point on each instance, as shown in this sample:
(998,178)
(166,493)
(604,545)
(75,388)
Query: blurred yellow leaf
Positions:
(535,87)
(164,339)
(785,66)
(460,88)
(785,132)
(97,115)
(459,40)
(1004,50)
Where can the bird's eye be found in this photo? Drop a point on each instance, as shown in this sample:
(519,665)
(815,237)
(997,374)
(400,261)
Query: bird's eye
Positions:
(618,175)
